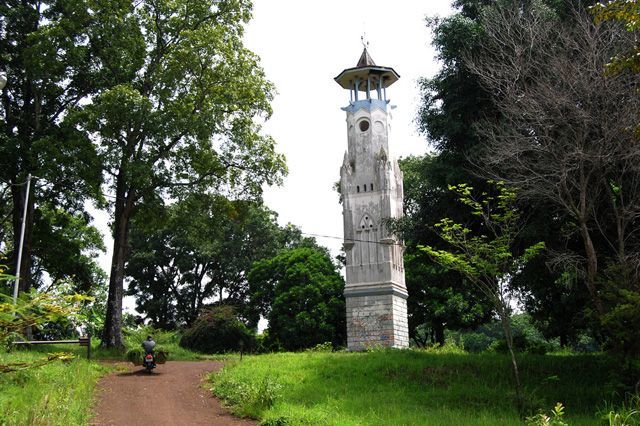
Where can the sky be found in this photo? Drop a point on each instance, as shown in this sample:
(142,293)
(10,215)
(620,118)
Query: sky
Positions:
(303,45)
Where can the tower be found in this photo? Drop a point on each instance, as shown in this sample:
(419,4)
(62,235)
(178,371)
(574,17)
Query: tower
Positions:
(371,188)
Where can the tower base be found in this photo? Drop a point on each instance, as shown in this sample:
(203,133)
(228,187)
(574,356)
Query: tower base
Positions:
(377,320)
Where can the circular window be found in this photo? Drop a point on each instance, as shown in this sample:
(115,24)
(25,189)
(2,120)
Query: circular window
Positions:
(363,125)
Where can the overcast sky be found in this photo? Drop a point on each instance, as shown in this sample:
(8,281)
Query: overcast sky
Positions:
(303,45)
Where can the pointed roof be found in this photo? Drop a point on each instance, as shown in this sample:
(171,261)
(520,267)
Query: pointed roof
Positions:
(365,60)
(366,68)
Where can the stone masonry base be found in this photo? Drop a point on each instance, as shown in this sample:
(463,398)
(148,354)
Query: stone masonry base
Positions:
(377,321)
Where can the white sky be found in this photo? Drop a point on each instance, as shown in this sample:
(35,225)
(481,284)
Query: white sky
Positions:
(303,45)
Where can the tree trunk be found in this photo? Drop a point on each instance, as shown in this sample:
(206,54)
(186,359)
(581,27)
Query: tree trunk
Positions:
(112,334)
(592,267)
(18,196)
(564,340)
(506,327)
(438,331)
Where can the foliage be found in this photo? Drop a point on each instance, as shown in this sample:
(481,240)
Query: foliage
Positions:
(182,110)
(451,101)
(199,249)
(487,260)
(50,68)
(418,387)
(34,310)
(454,109)
(54,394)
(542,419)
(300,293)
(626,414)
(218,330)
(627,12)
(437,296)
(251,398)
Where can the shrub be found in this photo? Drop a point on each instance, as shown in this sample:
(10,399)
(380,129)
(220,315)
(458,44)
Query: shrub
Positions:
(218,330)
(476,342)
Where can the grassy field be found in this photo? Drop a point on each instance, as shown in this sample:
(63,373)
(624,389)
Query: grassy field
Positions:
(410,388)
(59,393)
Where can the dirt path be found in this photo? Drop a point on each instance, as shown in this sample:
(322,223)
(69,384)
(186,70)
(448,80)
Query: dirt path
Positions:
(171,395)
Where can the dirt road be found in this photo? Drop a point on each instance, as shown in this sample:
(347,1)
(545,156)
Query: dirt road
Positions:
(171,395)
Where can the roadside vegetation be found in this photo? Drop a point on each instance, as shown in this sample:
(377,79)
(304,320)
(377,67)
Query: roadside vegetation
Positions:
(431,387)
(55,394)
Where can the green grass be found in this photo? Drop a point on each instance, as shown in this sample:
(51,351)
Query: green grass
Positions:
(167,341)
(409,388)
(59,393)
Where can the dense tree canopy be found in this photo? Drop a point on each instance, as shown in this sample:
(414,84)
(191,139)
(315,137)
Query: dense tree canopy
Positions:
(300,293)
(48,60)
(567,137)
(180,111)
(455,106)
(197,252)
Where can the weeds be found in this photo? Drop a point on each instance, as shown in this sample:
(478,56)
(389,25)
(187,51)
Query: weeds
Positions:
(249,398)
(542,419)
(626,414)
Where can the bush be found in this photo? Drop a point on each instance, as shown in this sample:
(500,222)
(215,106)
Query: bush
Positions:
(476,342)
(218,330)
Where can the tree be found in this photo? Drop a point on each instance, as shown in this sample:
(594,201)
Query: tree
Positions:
(487,260)
(218,330)
(199,249)
(566,136)
(48,61)
(452,101)
(180,111)
(454,106)
(300,293)
(627,12)
(438,297)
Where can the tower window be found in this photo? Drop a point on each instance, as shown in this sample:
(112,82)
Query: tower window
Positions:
(363,125)
(372,187)
(364,187)
(358,188)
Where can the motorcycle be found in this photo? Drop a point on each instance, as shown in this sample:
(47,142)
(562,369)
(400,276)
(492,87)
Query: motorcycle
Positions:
(149,363)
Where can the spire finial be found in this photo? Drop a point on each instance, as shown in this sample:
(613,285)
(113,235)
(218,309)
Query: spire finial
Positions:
(365,42)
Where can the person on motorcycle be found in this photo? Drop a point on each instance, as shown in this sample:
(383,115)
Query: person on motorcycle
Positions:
(148,346)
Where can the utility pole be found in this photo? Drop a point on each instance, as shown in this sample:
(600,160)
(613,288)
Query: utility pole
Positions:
(24,221)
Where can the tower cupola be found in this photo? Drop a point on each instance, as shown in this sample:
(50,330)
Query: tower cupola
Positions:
(367,77)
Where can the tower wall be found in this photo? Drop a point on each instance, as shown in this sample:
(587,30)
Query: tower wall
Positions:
(371,187)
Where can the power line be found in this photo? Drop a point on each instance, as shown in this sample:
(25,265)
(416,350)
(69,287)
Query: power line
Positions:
(348,239)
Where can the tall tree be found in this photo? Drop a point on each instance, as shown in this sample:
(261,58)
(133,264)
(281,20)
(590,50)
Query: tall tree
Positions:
(182,112)
(452,101)
(454,104)
(196,252)
(48,62)
(567,136)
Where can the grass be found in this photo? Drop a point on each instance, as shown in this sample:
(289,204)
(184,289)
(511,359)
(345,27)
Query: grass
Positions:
(166,341)
(409,388)
(59,393)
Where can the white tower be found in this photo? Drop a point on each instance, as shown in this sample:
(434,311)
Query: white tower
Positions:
(371,188)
